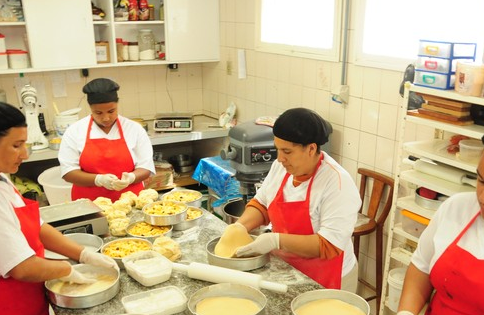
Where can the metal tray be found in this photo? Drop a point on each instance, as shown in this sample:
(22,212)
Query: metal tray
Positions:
(68,210)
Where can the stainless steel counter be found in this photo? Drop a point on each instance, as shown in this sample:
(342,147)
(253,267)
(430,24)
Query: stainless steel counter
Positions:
(193,249)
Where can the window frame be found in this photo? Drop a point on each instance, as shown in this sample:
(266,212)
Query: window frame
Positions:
(303,52)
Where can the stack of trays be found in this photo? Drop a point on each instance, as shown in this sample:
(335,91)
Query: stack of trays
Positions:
(445,110)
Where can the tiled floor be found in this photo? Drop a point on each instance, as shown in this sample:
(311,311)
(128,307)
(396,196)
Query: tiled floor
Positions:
(365,292)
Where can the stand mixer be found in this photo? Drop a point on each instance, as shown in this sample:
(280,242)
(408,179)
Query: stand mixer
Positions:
(28,97)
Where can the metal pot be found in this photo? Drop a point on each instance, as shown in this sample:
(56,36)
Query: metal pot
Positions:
(345,296)
(228,290)
(232,210)
(88,300)
(242,264)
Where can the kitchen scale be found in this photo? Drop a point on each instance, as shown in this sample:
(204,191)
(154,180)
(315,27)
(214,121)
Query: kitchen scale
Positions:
(80,216)
(173,122)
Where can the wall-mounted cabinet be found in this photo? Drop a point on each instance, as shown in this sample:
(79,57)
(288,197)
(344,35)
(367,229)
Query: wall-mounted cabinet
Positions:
(61,35)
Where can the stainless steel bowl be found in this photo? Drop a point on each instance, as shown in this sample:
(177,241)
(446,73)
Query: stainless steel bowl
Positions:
(228,290)
(189,223)
(89,300)
(341,295)
(119,260)
(90,241)
(178,195)
(431,204)
(150,238)
(155,219)
(232,210)
(243,264)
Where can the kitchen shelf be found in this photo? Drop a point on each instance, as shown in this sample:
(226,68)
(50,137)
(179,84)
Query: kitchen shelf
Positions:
(473,131)
(408,202)
(434,183)
(436,150)
(398,229)
(401,255)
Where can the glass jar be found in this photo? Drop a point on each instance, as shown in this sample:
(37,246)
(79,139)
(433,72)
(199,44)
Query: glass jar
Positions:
(146,42)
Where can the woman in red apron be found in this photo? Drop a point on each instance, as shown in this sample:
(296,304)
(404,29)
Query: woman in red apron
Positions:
(296,237)
(457,277)
(23,268)
(106,167)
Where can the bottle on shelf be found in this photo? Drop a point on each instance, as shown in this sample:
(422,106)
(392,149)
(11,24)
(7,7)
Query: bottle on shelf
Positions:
(146,42)
(162,10)
(119,49)
(152,12)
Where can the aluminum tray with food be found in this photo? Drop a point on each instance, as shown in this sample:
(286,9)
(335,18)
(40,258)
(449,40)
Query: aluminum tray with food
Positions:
(341,300)
(194,217)
(243,264)
(192,198)
(165,212)
(148,231)
(120,248)
(73,295)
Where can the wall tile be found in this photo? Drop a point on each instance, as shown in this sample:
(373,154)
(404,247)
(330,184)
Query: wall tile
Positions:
(387,127)
(351,142)
(353,113)
(369,116)
(367,149)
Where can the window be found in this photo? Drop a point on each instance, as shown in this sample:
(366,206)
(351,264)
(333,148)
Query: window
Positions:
(304,28)
(388,31)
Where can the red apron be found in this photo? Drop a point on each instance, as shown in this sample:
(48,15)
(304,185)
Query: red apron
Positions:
(104,156)
(293,218)
(19,297)
(458,279)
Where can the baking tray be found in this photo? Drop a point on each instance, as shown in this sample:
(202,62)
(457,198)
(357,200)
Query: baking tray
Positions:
(68,210)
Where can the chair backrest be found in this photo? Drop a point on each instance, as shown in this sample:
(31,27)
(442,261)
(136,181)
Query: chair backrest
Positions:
(382,188)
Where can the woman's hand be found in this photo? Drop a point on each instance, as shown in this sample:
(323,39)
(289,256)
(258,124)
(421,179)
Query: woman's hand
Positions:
(105,180)
(263,244)
(97,259)
(76,277)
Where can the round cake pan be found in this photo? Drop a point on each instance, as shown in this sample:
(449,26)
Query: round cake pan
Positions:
(89,300)
(171,219)
(189,223)
(148,237)
(119,260)
(242,264)
(228,290)
(90,241)
(430,204)
(341,295)
(192,198)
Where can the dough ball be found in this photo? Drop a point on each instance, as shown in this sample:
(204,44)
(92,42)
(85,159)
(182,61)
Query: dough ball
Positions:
(129,195)
(123,205)
(149,193)
(167,247)
(115,214)
(102,201)
(142,201)
(117,227)
(106,209)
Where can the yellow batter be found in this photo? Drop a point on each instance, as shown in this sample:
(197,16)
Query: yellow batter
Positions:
(328,307)
(75,289)
(233,237)
(223,305)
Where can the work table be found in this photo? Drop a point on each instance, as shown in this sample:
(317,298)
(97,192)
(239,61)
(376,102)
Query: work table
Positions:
(193,243)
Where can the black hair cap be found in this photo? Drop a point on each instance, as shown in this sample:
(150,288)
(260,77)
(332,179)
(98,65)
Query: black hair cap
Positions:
(303,126)
(101,91)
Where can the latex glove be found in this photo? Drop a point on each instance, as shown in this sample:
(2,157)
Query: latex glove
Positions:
(263,244)
(405,313)
(97,259)
(76,277)
(105,180)
(126,180)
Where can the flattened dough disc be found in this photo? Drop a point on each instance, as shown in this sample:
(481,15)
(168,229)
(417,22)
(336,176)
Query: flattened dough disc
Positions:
(233,237)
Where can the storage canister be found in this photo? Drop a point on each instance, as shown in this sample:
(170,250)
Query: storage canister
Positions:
(3,60)
(146,42)
(18,59)
(133,51)
(2,43)
(119,49)
(469,78)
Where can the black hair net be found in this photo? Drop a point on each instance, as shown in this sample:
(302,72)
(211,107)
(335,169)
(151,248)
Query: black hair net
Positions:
(303,126)
(101,91)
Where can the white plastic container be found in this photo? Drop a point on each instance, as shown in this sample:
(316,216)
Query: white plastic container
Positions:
(56,189)
(148,267)
(2,43)
(470,150)
(469,78)
(61,122)
(163,301)
(3,60)
(395,284)
(18,59)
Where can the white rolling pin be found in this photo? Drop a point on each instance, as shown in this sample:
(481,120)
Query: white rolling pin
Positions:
(217,274)
(448,173)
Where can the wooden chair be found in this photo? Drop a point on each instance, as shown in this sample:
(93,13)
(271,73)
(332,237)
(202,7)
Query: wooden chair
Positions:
(381,193)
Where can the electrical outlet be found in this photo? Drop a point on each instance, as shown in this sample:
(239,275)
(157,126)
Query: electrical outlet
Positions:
(229,67)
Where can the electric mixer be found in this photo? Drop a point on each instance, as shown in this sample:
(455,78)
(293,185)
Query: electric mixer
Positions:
(28,97)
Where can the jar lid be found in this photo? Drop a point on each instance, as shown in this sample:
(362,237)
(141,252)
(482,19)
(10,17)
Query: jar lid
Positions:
(119,40)
(132,43)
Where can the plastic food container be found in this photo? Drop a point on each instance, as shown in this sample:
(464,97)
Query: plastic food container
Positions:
(163,301)
(470,150)
(148,267)
(18,59)
(469,78)
(56,188)
(413,224)
(395,284)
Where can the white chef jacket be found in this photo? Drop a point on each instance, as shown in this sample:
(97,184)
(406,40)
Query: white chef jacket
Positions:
(449,220)
(136,138)
(14,247)
(334,202)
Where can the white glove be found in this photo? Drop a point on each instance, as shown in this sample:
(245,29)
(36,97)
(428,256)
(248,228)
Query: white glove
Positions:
(126,180)
(105,180)
(263,244)
(405,313)
(97,259)
(76,277)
